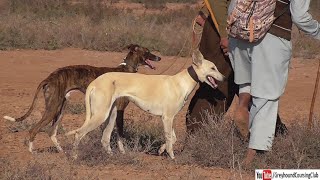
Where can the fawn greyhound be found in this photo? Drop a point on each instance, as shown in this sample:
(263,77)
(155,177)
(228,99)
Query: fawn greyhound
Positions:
(58,85)
(162,95)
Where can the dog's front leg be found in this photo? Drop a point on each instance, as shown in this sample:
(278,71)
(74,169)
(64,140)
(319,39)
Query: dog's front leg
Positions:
(169,135)
(105,140)
(163,147)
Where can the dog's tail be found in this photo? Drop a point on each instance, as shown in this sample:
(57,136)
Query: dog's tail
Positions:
(9,118)
(88,109)
(43,83)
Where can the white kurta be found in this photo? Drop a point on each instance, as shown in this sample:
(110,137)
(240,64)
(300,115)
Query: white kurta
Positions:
(264,65)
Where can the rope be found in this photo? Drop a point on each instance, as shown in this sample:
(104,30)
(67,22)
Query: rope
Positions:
(176,58)
(195,32)
(195,45)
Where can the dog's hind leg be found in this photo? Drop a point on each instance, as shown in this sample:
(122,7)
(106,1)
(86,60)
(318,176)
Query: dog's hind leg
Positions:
(120,144)
(55,125)
(105,140)
(120,134)
(97,111)
(121,104)
(94,122)
(46,119)
(47,94)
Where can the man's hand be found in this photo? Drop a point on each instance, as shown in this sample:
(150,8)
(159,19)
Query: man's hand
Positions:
(200,20)
(224,44)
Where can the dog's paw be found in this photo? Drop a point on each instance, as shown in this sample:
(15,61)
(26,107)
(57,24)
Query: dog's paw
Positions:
(30,148)
(59,148)
(109,152)
(171,156)
(74,156)
(162,149)
(121,147)
(122,151)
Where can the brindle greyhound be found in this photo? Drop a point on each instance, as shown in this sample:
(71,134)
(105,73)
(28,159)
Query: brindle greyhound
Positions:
(58,85)
(161,95)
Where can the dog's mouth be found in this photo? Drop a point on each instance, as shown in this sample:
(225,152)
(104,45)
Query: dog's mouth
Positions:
(212,82)
(149,64)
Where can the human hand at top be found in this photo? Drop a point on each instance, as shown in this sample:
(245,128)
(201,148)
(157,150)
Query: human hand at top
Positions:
(224,44)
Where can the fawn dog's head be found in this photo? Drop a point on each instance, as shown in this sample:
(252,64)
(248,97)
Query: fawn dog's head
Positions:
(140,56)
(206,71)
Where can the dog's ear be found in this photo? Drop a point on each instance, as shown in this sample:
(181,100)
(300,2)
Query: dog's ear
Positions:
(197,57)
(133,47)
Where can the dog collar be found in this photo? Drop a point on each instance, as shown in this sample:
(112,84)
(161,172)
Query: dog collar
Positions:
(193,74)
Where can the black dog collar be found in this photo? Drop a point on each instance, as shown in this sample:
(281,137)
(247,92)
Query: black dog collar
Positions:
(193,74)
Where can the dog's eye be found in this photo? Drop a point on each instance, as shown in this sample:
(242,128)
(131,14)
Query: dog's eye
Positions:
(214,68)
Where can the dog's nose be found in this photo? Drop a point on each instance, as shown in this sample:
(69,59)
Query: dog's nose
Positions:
(158,58)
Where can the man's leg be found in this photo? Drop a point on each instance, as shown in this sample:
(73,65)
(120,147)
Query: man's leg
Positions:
(268,79)
(241,116)
(263,115)
(241,62)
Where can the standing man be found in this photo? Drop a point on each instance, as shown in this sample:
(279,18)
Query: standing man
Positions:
(213,46)
(214,33)
(261,71)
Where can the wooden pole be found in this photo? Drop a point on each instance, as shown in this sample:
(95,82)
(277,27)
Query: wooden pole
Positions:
(310,123)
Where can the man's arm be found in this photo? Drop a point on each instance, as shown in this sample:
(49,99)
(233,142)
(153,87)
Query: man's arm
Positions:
(303,19)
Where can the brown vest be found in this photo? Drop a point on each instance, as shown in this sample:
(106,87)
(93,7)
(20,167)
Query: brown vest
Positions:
(283,25)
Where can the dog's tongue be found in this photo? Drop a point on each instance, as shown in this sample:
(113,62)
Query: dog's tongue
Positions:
(150,64)
(213,82)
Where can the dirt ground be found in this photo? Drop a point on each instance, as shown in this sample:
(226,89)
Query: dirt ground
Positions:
(22,70)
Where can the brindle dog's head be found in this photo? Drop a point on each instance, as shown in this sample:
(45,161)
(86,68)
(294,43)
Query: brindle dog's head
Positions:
(139,56)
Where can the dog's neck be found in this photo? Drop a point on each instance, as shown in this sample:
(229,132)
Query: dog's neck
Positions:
(130,67)
(193,74)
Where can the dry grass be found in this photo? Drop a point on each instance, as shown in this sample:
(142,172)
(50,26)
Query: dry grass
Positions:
(217,145)
(49,24)
(144,136)
(75,108)
(162,1)
(159,4)
(303,45)
(35,170)
(299,150)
